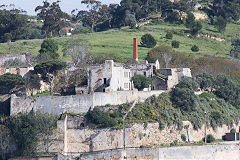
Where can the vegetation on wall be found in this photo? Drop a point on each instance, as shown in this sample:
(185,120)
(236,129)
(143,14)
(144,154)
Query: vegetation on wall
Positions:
(181,104)
(28,128)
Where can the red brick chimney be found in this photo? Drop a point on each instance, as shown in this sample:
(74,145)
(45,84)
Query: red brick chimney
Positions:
(135,49)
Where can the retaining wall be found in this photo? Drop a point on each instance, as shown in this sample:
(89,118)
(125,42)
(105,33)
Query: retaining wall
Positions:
(75,103)
(206,152)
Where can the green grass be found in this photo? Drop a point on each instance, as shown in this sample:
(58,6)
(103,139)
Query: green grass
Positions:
(119,42)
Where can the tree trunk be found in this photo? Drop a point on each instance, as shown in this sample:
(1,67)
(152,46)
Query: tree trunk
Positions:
(92,27)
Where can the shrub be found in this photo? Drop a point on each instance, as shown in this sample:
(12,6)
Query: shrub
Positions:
(210,138)
(195,28)
(233,130)
(189,83)
(169,35)
(140,82)
(183,137)
(189,20)
(28,128)
(100,118)
(174,143)
(49,48)
(184,98)
(148,41)
(220,24)
(175,44)
(195,48)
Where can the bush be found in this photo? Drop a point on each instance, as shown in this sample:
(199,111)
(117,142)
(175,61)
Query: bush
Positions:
(183,137)
(100,118)
(233,130)
(140,82)
(210,138)
(148,41)
(169,35)
(195,28)
(29,128)
(175,44)
(49,48)
(174,143)
(195,48)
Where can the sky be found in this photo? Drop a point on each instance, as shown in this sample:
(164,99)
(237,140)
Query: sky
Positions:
(66,5)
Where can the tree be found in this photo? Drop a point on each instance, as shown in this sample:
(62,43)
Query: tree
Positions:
(205,80)
(13,24)
(228,9)
(227,89)
(33,82)
(189,83)
(79,51)
(9,81)
(47,125)
(167,58)
(4,141)
(169,35)
(49,70)
(195,48)
(195,28)
(140,82)
(190,20)
(236,47)
(220,24)
(92,16)
(184,98)
(148,41)
(27,128)
(130,20)
(49,48)
(175,44)
(100,118)
(53,17)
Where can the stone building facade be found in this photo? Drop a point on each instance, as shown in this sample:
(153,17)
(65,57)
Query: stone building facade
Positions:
(111,76)
(167,78)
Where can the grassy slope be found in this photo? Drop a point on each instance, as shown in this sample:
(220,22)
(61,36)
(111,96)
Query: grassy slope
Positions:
(119,42)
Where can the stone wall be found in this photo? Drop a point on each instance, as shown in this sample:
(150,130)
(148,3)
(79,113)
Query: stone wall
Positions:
(75,103)
(224,152)
(88,140)
(23,57)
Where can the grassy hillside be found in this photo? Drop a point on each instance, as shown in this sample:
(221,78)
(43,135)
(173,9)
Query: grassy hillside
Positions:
(119,42)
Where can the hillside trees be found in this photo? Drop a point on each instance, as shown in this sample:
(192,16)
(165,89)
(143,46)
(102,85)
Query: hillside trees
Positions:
(93,15)
(148,41)
(220,24)
(4,141)
(48,51)
(11,83)
(27,138)
(228,9)
(227,89)
(53,17)
(235,51)
(13,24)
(79,51)
(190,20)
(49,70)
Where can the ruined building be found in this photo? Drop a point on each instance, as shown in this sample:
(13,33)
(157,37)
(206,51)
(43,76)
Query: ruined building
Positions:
(111,76)
(16,63)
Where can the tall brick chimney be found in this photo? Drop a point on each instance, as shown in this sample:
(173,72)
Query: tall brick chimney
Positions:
(135,49)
